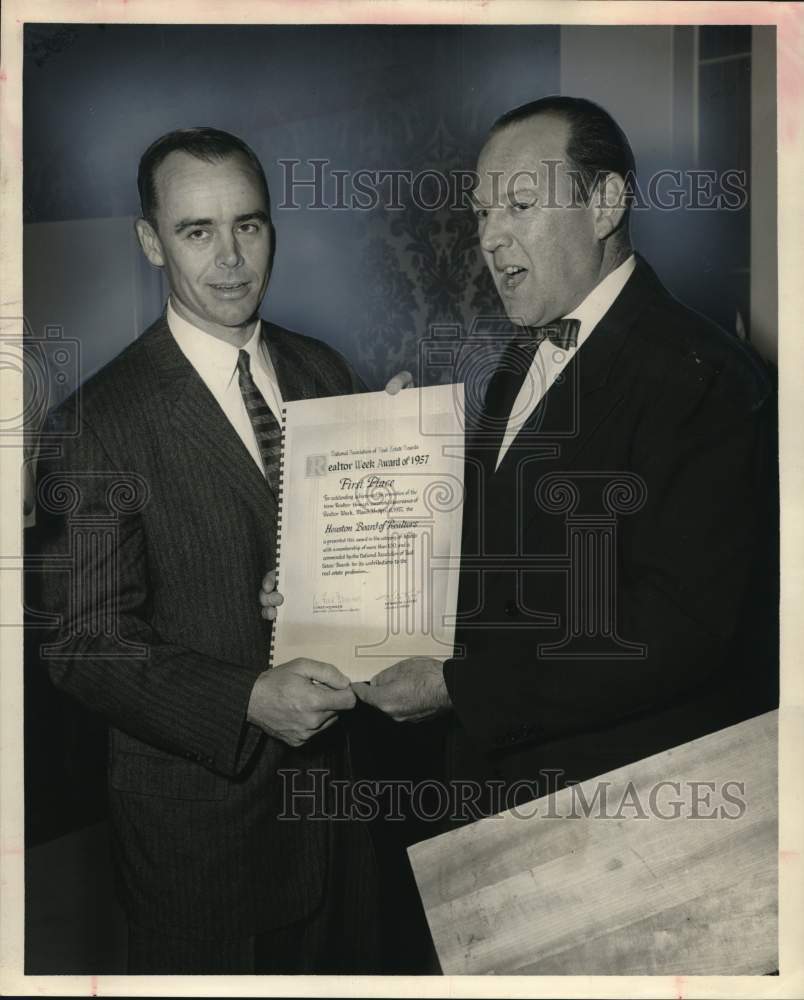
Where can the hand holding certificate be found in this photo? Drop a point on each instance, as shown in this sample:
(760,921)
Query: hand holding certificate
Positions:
(370,531)
(298,700)
(409,691)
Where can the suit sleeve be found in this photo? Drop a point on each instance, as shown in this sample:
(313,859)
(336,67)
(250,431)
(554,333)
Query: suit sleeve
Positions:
(103,651)
(684,569)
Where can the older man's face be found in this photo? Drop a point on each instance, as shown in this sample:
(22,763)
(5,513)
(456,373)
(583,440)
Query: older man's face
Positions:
(544,259)
(214,239)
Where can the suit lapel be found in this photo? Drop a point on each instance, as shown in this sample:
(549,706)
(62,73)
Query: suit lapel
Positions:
(201,424)
(573,408)
(294,376)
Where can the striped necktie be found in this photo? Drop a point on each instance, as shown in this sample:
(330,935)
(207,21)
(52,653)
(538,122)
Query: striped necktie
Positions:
(266,427)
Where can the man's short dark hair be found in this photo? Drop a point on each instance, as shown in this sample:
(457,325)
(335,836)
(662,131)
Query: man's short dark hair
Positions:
(596,145)
(210,144)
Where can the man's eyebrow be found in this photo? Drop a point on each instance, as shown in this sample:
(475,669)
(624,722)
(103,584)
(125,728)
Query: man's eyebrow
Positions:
(259,215)
(183,224)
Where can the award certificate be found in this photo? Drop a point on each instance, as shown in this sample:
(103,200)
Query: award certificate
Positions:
(370,528)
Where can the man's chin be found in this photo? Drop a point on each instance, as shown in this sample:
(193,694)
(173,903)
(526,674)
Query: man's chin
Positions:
(237,315)
(517,311)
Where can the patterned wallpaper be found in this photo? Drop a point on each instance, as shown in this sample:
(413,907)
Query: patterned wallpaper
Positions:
(421,268)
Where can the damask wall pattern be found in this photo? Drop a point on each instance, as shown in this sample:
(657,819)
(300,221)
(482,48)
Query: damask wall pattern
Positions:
(423,266)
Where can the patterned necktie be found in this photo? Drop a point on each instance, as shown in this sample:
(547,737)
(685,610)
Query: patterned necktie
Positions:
(266,427)
(563,333)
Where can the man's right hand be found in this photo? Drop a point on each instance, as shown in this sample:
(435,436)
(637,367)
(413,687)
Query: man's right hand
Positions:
(299,699)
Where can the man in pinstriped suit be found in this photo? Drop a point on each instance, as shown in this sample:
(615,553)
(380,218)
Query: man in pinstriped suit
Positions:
(211,879)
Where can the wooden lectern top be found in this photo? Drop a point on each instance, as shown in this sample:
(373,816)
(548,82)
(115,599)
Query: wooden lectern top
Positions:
(665,867)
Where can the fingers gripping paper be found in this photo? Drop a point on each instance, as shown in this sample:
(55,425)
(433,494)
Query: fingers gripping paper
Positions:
(370,529)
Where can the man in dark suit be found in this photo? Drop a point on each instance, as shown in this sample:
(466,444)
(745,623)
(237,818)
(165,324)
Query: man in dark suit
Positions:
(158,522)
(617,582)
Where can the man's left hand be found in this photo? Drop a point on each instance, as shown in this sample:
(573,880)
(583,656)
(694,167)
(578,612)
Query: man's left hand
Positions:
(270,598)
(408,691)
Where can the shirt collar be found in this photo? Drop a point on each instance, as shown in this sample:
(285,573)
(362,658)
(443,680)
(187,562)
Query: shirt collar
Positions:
(214,359)
(598,302)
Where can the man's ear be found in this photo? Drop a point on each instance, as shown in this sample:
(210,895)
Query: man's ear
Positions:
(272,254)
(609,205)
(150,242)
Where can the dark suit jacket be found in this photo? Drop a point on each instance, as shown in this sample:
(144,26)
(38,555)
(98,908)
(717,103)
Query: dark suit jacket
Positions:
(687,413)
(160,633)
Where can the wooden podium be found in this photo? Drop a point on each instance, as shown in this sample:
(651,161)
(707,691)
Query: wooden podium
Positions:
(658,879)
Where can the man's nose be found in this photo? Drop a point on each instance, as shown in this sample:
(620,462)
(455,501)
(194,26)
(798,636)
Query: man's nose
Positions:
(228,252)
(495,232)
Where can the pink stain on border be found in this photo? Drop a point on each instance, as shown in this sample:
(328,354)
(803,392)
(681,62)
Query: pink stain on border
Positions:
(93,986)
(790,46)
(678,982)
(789,855)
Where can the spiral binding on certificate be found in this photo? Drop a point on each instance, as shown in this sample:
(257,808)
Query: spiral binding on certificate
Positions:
(280,497)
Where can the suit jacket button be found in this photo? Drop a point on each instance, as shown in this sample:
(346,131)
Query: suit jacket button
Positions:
(511,610)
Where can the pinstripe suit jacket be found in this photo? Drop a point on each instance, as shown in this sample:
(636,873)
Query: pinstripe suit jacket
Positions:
(160,633)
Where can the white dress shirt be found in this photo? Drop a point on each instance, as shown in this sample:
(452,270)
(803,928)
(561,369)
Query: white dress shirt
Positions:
(549,360)
(216,363)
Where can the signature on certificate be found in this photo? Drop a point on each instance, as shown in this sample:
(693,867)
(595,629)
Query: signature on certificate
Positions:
(400,598)
(334,600)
